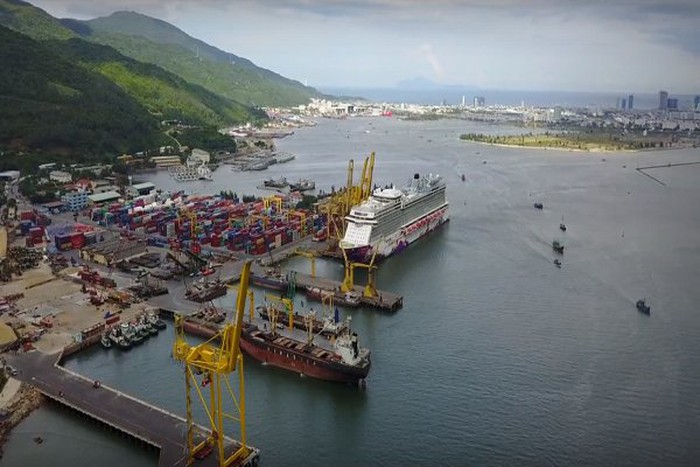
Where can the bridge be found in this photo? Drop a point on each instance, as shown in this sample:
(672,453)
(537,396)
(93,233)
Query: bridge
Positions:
(149,424)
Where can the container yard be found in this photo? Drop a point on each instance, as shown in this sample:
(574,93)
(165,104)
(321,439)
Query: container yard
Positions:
(210,222)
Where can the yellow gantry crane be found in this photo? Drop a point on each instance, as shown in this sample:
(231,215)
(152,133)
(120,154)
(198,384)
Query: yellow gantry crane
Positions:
(214,360)
(310,255)
(348,283)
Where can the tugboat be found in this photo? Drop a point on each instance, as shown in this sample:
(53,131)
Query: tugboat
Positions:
(538,206)
(136,334)
(279,183)
(303,185)
(557,263)
(105,341)
(156,322)
(643,307)
(558,247)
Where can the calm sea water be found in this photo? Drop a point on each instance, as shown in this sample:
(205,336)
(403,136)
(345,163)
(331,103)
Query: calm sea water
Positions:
(497,358)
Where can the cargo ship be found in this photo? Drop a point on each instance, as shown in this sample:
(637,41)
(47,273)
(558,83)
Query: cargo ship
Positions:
(303,185)
(342,361)
(392,218)
(270,281)
(329,326)
(337,358)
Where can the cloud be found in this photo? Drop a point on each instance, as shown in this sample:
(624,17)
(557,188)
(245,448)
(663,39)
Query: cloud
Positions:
(517,44)
(426,52)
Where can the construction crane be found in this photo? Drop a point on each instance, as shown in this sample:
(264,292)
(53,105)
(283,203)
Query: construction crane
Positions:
(214,360)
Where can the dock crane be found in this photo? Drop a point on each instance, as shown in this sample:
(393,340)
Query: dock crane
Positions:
(310,255)
(340,203)
(215,359)
(348,283)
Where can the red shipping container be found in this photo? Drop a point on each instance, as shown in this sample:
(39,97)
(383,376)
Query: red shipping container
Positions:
(77,240)
(112,319)
(27,216)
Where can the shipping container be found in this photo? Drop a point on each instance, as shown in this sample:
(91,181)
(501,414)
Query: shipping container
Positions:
(27,216)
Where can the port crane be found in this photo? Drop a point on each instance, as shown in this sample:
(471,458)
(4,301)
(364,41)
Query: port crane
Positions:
(339,204)
(311,256)
(215,359)
(348,283)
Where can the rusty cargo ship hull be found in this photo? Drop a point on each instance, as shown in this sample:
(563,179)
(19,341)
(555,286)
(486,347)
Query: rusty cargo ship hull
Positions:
(293,355)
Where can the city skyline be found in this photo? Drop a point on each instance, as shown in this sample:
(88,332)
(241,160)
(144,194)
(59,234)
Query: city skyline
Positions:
(635,46)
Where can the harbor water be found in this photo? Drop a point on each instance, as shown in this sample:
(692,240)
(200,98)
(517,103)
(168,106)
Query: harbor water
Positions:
(498,357)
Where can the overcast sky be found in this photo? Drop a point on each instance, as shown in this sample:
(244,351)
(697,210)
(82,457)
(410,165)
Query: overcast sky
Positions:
(569,45)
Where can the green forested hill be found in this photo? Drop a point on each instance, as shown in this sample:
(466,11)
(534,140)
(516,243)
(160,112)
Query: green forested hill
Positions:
(50,103)
(34,22)
(102,86)
(164,94)
(154,41)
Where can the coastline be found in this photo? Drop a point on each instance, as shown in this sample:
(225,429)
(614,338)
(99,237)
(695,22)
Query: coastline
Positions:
(23,402)
(592,151)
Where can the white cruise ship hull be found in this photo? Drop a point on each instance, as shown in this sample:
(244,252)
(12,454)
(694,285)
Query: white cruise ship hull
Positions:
(399,240)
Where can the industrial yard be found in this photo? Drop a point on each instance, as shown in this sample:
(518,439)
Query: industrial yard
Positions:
(99,277)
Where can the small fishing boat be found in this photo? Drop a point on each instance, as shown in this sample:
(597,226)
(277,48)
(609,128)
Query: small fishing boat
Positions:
(538,206)
(558,247)
(557,263)
(562,226)
(643,307)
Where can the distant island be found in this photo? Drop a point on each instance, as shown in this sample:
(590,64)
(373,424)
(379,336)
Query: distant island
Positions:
(593,141)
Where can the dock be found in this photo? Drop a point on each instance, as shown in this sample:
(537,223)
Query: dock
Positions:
(140,420)
(384,300)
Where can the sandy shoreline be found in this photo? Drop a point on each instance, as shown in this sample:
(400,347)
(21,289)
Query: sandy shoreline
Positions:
(591,151)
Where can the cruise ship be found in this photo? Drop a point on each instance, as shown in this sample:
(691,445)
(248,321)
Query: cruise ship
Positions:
(391,218)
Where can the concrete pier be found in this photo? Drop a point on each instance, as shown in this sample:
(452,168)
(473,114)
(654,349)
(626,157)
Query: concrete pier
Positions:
(138,419)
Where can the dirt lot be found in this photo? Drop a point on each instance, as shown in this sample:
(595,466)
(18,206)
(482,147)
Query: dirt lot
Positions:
(61,301)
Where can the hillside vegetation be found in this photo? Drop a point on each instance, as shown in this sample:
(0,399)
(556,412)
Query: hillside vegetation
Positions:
(48,103)
(154,41)
(164,94)
(68,96)
(27,19)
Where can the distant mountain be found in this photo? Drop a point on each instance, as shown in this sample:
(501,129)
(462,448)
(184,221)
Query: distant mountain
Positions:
(32,21)
(417,83)
(50,104)
(154,41)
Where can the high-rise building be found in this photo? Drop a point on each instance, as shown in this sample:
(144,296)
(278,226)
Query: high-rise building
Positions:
(696,103)
(464,101)
(672,103)
(663,100)
(630,101)
(479,101)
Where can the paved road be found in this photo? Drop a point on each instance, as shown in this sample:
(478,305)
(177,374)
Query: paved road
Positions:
(150,424)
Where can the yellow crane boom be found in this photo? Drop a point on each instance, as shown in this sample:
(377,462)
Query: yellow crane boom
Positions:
(212,362)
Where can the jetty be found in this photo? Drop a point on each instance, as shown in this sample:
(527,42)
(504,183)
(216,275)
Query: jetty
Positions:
(140,420)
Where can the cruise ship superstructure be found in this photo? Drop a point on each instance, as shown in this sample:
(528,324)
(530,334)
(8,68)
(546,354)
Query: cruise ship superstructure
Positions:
(391,218)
